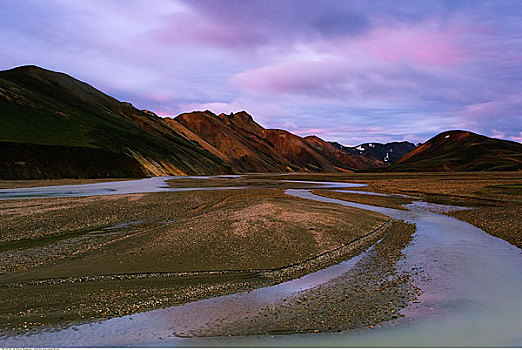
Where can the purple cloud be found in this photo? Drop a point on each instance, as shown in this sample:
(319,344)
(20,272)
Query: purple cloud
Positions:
(350,71)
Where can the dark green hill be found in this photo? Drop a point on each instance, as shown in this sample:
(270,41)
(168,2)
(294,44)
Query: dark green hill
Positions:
(52,125)
(462,151)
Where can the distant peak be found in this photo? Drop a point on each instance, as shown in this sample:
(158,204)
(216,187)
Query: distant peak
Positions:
(37,72)
(28,67)
(313,137)
(453,135)
(31,68)
(455,132)
(243,115)
(197,115)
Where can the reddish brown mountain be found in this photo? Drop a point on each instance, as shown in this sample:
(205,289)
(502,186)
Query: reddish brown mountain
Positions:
(248,147)
(346,158)
(231,139)
(459,150)
(297,151)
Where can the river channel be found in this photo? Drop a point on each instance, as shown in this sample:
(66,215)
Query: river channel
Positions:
(472,298)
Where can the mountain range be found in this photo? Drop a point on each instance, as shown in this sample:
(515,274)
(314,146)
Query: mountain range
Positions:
(248,147)
(55,126)
(386,153)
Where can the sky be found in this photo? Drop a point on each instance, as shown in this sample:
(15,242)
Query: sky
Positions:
(346,71)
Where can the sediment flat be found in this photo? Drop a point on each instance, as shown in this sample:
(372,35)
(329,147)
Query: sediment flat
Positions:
(67,260)
(380,201)
(371,293)
(494,199)
(71,260)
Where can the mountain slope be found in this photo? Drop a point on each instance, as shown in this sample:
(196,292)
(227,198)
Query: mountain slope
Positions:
(189,135)
(459,150)
(44,114)
(244,151)
(299,154)
(387,152)
(346,158)
(248,147)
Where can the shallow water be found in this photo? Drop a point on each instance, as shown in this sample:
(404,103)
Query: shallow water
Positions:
(153,184)
(161,325)
(148,185)
(471,298)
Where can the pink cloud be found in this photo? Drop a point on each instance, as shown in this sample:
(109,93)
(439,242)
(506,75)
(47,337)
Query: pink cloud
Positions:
(484,108)
(292,76)
(517,138)
(163,112)
(422,45)
(380,63)
(264,112)
(309,131)
(505,105)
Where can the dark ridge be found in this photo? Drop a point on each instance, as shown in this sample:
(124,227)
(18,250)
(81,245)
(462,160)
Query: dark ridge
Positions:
(458,150)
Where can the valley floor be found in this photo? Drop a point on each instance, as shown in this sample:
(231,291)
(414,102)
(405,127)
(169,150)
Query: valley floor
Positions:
(66,260)
(71,260)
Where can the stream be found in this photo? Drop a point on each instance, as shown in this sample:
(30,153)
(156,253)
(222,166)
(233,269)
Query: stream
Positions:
(472,297)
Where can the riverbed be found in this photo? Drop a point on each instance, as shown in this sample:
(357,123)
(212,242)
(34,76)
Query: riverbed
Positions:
(470,290)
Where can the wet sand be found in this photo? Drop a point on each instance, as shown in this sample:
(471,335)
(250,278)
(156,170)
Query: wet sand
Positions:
(380,201)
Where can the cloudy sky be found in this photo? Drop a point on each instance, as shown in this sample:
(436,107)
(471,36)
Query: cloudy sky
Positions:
(350,71)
